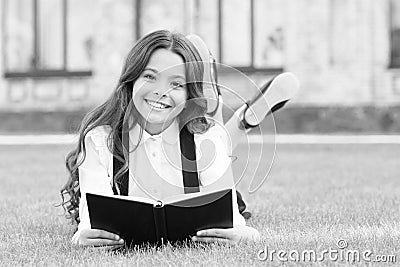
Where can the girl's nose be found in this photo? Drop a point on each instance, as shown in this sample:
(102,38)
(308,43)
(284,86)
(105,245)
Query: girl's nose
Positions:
(160,94)
(160,90)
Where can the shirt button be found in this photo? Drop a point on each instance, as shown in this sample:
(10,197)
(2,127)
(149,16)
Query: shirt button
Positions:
(153,154)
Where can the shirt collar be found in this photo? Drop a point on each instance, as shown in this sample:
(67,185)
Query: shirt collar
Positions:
(169,135)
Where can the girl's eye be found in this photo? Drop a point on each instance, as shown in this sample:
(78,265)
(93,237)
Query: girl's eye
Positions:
(177,85)
(149,77)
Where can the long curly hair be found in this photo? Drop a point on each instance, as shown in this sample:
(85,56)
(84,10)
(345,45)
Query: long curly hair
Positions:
(112,111)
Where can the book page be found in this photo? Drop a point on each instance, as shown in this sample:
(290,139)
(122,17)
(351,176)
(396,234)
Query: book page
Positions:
(135,198)
(196,199)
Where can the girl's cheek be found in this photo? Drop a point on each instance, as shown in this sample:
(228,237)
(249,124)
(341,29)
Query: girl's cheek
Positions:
(141,88)
(180,94)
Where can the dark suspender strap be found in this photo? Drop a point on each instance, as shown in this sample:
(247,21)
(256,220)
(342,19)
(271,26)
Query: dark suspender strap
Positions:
(117,165)
(189,164)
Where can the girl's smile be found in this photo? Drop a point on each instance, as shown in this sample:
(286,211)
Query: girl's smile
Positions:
(157,105)
(159,94)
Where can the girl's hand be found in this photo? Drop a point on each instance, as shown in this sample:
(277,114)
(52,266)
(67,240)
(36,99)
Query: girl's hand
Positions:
(97,238)
(231,235)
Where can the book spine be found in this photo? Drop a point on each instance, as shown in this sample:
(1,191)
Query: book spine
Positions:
(160,222)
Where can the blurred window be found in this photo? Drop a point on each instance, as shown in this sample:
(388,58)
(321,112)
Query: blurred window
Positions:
(206,19)
(252,33)
(80,31)
(269,33)
(395,33)
(19,52)
(37,38)
(162,14)
(236,29)
(50,34)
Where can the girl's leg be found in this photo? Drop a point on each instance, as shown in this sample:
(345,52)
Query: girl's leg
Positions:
(272,96)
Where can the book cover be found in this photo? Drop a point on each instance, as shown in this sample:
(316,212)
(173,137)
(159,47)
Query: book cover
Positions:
(141,220)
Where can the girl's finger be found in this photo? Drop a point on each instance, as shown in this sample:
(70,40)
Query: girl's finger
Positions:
(96,242)
(215,232)
(108,247)
(207,239)
(101,234)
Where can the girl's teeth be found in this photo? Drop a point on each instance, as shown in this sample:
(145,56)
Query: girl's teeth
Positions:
(157,105)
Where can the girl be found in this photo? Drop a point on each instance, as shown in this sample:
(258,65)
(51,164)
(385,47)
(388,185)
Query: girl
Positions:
(157,94)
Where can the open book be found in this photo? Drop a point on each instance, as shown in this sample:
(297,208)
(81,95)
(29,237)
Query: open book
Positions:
(141,220)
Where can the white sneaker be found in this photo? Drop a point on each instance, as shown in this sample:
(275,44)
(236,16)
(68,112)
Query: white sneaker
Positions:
(272,96)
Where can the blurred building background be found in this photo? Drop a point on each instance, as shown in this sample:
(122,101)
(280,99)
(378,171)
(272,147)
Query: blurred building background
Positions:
(60,58)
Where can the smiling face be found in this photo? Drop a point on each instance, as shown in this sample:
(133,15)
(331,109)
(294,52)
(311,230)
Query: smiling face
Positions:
(160,94)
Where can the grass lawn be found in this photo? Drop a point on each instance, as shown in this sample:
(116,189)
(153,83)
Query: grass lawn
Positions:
(314,196)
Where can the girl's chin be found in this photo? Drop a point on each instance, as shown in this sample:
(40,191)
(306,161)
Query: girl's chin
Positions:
(166,114)
(156,127)
(154,119)
(159,116)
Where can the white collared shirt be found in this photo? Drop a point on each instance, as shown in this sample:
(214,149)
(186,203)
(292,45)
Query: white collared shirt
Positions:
(157,157)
